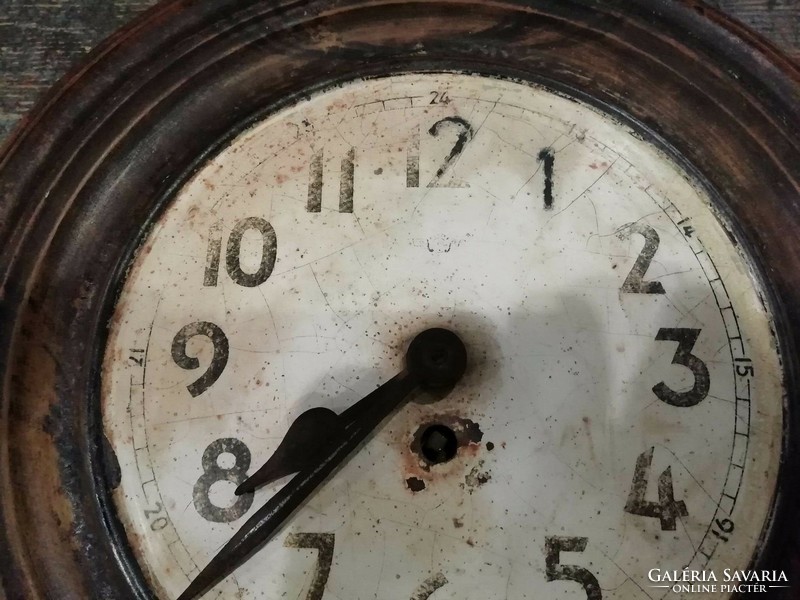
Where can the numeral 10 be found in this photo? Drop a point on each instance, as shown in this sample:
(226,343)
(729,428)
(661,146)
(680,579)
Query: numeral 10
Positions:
(233,253)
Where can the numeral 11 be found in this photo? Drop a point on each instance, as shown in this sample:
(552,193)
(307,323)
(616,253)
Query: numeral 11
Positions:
(315,171)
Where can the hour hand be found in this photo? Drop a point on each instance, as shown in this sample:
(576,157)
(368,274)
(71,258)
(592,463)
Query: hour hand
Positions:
(306,436)
(435,361)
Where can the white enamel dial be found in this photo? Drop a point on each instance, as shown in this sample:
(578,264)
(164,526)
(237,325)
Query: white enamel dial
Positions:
(622,409)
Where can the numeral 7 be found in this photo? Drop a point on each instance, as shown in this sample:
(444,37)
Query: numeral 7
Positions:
(323,542)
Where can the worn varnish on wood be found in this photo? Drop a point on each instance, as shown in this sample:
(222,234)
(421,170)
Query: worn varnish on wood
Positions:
(83,187)
(40,41)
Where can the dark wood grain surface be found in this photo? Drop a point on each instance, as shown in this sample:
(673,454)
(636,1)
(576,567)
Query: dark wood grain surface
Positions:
(777,20)
(40,40)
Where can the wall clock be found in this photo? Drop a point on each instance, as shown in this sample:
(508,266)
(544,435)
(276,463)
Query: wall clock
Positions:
(405,300)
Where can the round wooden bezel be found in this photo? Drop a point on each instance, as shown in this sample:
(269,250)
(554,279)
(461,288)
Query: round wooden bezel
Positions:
(86,174)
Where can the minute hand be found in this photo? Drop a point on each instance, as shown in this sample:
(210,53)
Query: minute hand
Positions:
(436,359)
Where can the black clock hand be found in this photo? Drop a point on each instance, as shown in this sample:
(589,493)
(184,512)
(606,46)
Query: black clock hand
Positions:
(263,524)
(435,360)
(306,437)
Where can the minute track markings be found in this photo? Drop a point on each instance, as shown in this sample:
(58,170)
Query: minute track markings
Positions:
(667,209)
(146,450)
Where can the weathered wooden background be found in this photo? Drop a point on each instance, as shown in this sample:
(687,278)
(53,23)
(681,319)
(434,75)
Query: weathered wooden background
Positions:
(40,39)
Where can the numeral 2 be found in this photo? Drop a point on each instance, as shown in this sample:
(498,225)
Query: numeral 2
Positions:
(666,509)
(555,571)
(634,283)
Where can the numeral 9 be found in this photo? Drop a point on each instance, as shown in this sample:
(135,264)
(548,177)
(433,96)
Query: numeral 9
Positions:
(218,361)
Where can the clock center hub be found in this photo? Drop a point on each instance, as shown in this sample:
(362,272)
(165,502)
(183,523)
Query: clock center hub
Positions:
(439,444)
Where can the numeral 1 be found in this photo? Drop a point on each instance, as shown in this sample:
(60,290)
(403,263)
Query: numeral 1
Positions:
(346,182)
(314,203)
(548,159)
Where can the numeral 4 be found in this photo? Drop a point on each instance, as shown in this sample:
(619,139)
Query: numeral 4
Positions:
(666,509)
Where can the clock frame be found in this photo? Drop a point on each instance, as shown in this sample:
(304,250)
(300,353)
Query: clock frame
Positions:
(89,171)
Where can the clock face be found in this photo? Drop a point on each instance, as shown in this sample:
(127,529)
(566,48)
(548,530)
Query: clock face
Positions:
(622,405)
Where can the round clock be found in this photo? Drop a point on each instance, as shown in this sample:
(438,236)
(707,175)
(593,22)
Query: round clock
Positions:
(403,301)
